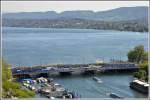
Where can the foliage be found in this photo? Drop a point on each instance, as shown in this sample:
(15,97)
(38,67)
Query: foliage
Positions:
(6,71)
(23,93)
(138,54)
(144,66)
(14,89)
(132,25)
(10,87)
(140,75)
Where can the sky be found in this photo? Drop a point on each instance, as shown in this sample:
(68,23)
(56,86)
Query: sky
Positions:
(60,6)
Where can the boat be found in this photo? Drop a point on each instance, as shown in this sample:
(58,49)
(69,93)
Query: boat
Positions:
(139,86)
(97,79)
(114,95)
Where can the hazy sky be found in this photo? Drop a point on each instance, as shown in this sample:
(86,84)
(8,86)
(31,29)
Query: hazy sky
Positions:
(59,6)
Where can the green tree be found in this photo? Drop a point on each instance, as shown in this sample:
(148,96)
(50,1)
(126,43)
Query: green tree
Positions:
(140,75)
(10,87)
(144,67)
(6,71)
(138,54)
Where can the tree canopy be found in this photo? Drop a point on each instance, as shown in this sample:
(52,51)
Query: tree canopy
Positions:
(138,54)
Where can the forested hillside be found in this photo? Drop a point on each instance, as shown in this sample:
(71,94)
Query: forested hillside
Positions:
(133,25)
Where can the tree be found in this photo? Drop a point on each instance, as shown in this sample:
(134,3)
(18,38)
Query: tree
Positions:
(6,71)
(10,87)
(140,75)
(138,54)
(144,67)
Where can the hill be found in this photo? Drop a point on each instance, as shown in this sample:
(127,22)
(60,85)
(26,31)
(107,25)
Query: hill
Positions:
(124,19)
(123,13)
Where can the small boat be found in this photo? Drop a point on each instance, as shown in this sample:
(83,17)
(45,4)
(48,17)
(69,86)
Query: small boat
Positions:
(114,95)
(97,79)
(52,97)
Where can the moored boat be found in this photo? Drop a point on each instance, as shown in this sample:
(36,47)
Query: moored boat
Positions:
(139,86)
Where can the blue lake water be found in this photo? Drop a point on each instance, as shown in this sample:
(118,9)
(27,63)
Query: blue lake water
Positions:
(34,46)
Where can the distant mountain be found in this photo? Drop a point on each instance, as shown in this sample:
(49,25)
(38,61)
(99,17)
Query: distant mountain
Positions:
(123,13)
(124,19)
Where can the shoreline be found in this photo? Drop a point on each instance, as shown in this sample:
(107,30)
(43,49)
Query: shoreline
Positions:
(115,30)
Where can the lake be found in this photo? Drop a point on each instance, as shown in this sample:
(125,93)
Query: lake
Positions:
(39,46)
(112,83)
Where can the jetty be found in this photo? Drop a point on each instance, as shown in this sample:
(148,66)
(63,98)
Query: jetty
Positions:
(69,69)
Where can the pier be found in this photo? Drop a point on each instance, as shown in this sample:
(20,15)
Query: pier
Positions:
(69,69)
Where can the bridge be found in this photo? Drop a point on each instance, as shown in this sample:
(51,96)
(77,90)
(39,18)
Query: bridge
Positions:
(69,69)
